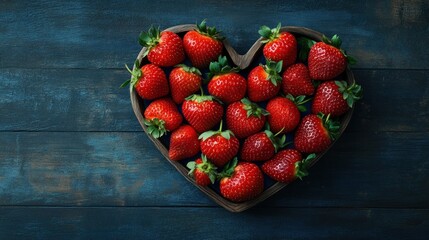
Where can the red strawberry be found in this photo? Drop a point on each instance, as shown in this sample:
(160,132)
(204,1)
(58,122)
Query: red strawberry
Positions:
(161,116)
(261,146)
(219,146)
(225,83)
(326,60)
(202,112)
(279,46)
(285,113)
(263,82)
(149,81)
(184,143)
(245,118)
(184,81)
(203,171)
(315,133)
(241,182)
(162,48)
(202,45)
(296,80)
(287,165)
(335,97)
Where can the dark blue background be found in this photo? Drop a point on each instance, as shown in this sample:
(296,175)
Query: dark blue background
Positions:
(75,163)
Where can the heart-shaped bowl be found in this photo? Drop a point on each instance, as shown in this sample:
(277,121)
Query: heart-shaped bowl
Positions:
(243,62)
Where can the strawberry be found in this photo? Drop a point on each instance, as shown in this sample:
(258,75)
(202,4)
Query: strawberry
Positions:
(184,143)
(296,80)
(162,48)
(287,165)
(202,45)
(161,116)
(279,46)
(225,83)
(263,82)
(285,113)
(335,97)
(261,146)
(241,182)
(203,171)
(149,81)
(202,112)
(219,146)
(315,133)
(326,60)
(245,118)
(184,81)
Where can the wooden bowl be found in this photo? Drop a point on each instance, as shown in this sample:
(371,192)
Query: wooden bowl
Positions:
(242,61)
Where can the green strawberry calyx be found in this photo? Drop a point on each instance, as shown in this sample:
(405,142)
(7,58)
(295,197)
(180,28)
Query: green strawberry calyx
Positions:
(278,142)
(188,69)
(299,101)
(229,169)
(201,98)
(220,67)
(301,167)
(273,70)
(331,126)
(269,34)
(208,31)
(136,74)
(225,134)
(150,39)
(156,127)
(350,93)
(205,167)
(336,42)
(253,109)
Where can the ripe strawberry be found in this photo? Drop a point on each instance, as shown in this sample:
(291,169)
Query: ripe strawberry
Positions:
(245,118)
(241,182)
(296,80)
(219,146)
(326,60)
(279,46)
(161,116)
(285,113)
(202,112)
(203,171)
(184,81)
(225,83)
(287,165)
(162,48)
(261,146)
(149,81)
(315,133)
(202,45)
(335,97)
(263,82)
(184,143)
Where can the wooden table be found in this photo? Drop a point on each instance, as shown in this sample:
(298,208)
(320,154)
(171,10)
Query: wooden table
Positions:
(74,162)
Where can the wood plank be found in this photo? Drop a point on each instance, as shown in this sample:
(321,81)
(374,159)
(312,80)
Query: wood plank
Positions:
(364,169)
(212,223)
(99,34)
(90,100)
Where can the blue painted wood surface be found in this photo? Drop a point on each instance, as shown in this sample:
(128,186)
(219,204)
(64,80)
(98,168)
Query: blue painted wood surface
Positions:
(74,162)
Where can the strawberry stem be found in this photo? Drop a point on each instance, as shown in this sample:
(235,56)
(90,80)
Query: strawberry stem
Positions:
(301,167)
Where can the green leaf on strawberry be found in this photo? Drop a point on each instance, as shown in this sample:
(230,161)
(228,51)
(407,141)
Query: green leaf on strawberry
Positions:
(156,127)
(253,109)
(303,166)
(273,70)
(350,93)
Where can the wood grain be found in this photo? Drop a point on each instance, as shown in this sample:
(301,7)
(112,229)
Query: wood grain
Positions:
(257,223)
(124,169)
(63,34)
(69,100)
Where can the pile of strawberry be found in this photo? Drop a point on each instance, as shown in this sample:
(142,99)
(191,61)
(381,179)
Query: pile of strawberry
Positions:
(231,126)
